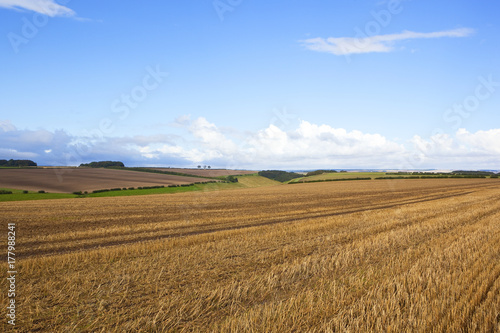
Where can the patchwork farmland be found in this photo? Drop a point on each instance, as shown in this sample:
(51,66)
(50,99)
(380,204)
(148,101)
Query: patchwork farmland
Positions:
(364,256)
(67,180)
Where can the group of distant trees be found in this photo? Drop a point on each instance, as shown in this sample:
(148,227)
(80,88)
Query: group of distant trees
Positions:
(103,164)
(231,179)
(320,172)
(281,176)
(17,163)
(205,167)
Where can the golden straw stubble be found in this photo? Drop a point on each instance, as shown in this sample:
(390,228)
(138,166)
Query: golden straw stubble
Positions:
(392,256)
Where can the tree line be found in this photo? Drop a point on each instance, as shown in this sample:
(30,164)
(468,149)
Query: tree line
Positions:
(281,176)
(17,163)
(103,164)
(320,172)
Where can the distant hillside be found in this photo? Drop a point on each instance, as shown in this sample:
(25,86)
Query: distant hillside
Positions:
(17,163)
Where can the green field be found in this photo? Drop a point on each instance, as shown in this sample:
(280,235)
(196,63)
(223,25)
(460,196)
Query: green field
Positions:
(18,195)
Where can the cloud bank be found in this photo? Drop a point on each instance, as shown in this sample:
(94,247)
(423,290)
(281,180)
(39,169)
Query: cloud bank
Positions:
(304,146)
(378,43)
(46,7)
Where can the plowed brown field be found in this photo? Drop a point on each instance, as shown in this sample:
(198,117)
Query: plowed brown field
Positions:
(67,180)
(364,256)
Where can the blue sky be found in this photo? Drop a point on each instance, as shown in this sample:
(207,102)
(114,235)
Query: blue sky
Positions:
(252,84)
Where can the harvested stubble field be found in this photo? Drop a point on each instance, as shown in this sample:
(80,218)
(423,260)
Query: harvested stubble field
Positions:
(365,256)
(67,180)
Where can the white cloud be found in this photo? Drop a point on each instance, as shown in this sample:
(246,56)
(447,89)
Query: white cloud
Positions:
(477,150)
(378,43)
(211,137)
(485,142)
(304,146)
(311,145)
(7,126)
(311,142)
(14,154)
(465,143)
(161,151)
(46,7)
